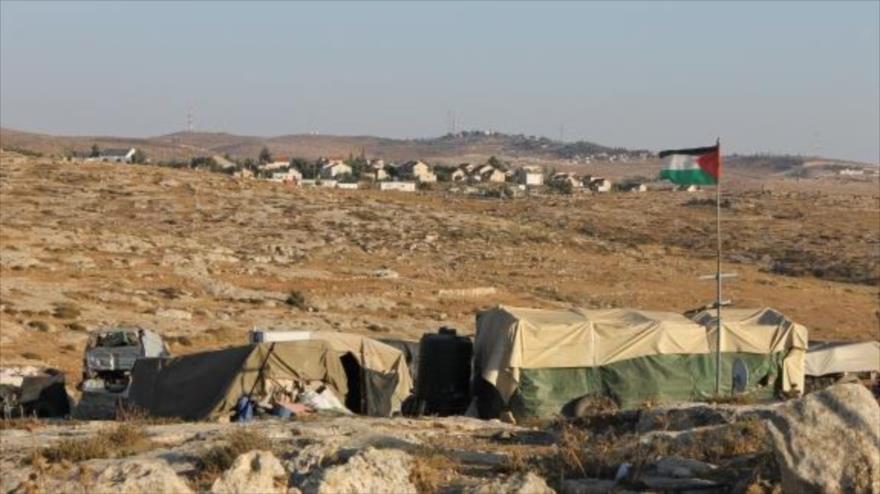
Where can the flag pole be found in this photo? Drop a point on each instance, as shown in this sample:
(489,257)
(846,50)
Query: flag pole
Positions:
(718,273)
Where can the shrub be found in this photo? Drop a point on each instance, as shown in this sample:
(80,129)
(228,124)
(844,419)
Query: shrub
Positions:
(430,467)
(219,458)
(296,299)
(119,441)
(66,311)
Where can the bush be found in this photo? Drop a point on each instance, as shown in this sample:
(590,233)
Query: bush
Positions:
(25,152)
(219,458)
(296,299)
(66,311)
(122,440)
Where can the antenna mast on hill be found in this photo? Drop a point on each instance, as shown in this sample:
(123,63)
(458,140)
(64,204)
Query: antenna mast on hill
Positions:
(189,121)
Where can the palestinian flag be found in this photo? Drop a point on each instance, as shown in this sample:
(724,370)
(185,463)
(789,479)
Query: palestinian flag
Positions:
(695,166)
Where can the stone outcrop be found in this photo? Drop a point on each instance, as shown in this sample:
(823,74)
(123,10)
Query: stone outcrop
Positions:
(518,483)
(829,441)
(254,471)
(370,470)
(139,477)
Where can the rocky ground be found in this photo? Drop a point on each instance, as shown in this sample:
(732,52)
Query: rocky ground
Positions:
(826,442)
(202,258)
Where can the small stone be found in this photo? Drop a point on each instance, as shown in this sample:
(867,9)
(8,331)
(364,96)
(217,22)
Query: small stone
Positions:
(174,314)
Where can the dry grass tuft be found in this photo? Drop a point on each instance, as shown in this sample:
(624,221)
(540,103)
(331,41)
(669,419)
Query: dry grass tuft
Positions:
(26,423)
(133,414)
(711,445)
(119,441)
(431,469)
(237,442)
(66,310)
(296,299)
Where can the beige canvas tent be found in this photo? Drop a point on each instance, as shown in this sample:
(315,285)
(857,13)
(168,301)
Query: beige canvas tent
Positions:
(842,357)
(207,384)
(378,367)
(761,331)
(538,361)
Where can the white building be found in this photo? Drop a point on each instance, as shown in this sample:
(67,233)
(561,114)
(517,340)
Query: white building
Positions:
(400,186)
(224,163)
(289,176)
(492,175)
(599,184)
(120,155)
(530,176)
(457,175)
(334,168)
(567,178)
(418,171)
(275,165)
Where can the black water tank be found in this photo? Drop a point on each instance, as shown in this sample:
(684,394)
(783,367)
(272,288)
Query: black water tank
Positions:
(444,373)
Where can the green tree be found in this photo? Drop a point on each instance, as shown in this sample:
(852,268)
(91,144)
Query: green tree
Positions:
(265,156)
(303,166)
(496,163)
(95,152)
(358,166)
(203,162)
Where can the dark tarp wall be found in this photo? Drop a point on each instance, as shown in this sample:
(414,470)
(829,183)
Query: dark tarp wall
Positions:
(207,384)
(545,392)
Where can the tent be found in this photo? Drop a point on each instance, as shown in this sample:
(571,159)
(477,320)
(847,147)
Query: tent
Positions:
(410,350)
(378,376)
(841,357)
(537,362)
(206,385)
(42,394)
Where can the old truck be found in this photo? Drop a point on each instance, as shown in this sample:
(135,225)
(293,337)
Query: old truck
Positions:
(111,353)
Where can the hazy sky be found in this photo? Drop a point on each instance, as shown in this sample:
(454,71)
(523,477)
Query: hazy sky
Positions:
(796,77)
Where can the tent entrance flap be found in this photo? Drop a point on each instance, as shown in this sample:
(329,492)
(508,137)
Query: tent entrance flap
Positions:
(354,399)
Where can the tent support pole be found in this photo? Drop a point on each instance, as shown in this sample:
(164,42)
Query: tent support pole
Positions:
(718,274)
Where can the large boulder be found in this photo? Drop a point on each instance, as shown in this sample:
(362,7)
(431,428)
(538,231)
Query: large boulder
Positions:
(254,471)
(370,470)
(518,483)
(139,477)
(829,441)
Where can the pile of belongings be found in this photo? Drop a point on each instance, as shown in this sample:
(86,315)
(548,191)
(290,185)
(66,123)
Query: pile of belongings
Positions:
(287,398)
(379,379)
(241,382)
(33,392)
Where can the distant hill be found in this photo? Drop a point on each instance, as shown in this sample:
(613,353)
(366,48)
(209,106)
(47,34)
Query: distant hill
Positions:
(185,145)
(467,145)
(791,165)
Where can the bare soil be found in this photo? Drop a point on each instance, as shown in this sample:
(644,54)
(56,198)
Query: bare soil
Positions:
(203,258)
